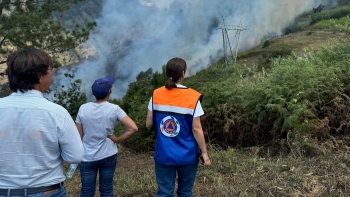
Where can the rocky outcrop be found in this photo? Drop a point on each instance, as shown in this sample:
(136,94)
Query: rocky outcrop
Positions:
(3,78)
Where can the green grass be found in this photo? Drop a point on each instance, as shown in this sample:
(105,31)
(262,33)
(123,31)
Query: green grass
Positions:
(249,172)
(324,24)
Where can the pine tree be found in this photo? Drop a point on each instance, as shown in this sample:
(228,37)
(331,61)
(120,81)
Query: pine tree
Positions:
(26,23)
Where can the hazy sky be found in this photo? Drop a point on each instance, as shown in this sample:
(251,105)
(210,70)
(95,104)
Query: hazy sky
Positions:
(135,35)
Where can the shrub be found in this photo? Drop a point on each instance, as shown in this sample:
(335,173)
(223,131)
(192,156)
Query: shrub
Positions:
(5,89)
(70,97)
(135,103)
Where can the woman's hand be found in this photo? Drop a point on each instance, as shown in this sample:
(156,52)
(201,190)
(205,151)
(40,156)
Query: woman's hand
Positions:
(113,138)
(206,159)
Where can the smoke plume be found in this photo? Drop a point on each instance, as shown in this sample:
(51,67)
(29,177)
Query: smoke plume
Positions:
(135,35)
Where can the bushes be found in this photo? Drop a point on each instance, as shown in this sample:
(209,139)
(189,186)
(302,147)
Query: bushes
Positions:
(322,18)
(135,103)
(295,95)
(331,23)
(71,98)
(330,14)
(5,89)
(300,23)
(343,2)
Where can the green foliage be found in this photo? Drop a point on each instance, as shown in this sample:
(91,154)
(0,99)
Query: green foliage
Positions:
(316,16)
(318,9)
(299,23)
(332,23)
(70,97)
(343,2)
(135,103)
(343,25)
(330,14)
(159,79)
(5,89)
(146,74)
(263,39)
(31,23)
(266,44)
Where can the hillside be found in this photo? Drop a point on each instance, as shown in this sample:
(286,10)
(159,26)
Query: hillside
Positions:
(310,37)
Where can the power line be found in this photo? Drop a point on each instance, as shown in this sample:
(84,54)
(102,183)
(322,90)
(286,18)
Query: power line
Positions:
(230,56)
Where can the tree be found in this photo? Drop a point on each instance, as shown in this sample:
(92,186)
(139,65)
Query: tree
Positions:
(159,78)
(5,89)
(26,23)
(71,97)
(318,9)
(147,73)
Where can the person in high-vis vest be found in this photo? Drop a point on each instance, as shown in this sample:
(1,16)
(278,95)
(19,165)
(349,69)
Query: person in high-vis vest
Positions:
(174,112)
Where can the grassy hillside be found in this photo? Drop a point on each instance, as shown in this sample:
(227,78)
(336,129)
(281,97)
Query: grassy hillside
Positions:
(310,37)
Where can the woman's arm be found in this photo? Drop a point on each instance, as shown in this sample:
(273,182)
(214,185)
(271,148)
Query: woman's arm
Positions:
(199,136)
(80,129)
(149,119)
(130,127)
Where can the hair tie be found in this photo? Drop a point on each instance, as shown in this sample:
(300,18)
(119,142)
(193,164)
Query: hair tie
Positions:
(170,78)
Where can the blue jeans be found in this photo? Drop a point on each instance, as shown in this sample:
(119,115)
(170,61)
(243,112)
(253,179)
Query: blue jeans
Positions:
(88,174)
(60,192)
(166,175)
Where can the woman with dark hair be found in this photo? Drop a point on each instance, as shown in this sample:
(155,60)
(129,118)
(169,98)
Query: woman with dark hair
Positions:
(174,111)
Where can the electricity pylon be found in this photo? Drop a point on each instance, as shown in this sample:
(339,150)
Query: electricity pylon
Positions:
(230,56)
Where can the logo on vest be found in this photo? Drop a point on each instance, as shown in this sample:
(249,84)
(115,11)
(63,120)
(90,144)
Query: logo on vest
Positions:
(169,126)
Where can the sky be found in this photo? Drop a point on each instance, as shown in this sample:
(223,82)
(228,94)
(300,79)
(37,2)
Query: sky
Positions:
(135,35)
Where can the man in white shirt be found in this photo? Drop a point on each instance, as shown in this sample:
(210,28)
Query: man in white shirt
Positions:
(36,135)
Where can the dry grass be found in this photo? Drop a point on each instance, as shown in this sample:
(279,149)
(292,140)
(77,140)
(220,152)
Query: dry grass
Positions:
(242,172)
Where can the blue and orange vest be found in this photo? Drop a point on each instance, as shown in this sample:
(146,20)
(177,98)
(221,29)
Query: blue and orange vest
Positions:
(173,112)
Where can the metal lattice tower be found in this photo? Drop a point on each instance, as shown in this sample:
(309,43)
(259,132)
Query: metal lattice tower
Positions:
(230,56)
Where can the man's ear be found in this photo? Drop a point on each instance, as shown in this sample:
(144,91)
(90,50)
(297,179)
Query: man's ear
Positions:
(40,77)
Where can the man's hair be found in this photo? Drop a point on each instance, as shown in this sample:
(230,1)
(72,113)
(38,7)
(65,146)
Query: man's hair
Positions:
(24,68)
(102,97)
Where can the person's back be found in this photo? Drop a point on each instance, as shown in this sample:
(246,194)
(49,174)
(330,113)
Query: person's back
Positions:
(98,121)
(95,122)
(29,129)
(36,135)
(174,112)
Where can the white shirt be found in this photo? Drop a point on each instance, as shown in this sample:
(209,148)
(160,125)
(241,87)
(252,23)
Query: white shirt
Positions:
(36,135)
(98,121)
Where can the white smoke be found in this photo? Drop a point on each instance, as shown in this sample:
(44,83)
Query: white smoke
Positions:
(135,35)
